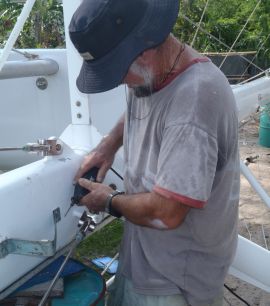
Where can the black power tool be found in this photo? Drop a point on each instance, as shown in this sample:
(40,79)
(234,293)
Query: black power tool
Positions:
(79,191)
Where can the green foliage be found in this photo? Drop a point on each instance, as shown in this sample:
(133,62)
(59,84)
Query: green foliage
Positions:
(43,29)
(224,20)
(8,16)
(102,243)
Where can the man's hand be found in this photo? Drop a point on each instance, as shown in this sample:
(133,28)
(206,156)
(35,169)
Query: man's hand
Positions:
(96,198)
(102,156)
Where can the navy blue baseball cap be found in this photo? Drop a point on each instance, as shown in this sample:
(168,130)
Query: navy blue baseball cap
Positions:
(111,34)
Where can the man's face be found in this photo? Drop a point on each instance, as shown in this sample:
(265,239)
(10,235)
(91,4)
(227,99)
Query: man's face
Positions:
(140,79)
(134,77)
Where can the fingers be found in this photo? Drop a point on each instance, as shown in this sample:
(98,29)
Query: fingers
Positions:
(95,159)
(89,185)
(79,174)
(85,166)
(88,165)
(102,172)
(96,198)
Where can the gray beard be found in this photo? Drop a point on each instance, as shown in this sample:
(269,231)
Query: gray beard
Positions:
(143,91)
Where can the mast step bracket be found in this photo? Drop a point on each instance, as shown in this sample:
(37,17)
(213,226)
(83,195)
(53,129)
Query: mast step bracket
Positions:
(26,247)
(44,248)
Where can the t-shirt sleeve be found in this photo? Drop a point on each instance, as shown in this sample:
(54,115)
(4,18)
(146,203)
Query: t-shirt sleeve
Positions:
(186,165)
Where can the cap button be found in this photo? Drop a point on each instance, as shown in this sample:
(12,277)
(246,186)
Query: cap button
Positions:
(119,20)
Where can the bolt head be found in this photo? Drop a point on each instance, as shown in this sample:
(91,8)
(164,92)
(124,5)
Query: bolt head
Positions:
(42,83)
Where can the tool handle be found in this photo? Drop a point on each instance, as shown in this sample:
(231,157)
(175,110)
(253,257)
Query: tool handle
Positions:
(79,191)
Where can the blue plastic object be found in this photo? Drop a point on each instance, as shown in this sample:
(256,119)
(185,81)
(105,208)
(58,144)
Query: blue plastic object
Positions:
(49,272)
(102,262)
(83,289)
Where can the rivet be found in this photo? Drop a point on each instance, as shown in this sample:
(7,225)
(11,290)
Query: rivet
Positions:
(78,103)
(79,116)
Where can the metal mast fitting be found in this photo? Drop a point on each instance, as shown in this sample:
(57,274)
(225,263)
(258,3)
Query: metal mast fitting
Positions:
(43,147)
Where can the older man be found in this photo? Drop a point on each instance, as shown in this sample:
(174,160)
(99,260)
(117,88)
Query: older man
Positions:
(180,152)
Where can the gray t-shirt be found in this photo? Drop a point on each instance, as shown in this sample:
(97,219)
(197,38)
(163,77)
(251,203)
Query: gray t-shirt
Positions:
(182,142)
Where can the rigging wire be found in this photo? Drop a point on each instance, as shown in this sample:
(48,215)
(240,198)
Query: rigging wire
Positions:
(257,5)
(218,40)
(199,24)
(266,72)
(25,54)
(255,56)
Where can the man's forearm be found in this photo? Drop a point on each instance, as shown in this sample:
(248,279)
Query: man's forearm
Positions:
(151,210)
(115,137)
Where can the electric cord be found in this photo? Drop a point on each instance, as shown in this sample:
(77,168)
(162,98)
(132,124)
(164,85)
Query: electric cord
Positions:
(236,295)
(117,174)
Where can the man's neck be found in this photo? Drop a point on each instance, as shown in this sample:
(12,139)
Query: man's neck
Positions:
(171,54)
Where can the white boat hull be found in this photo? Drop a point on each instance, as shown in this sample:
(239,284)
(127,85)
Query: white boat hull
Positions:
(29,194)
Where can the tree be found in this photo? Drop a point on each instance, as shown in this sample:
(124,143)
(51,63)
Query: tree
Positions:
(224,20)
(43,29)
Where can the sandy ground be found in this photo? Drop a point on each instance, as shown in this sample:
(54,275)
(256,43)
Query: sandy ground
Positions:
(254,216)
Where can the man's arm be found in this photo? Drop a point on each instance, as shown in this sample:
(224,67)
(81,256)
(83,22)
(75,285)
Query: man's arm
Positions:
(151,210)
(115,137)
(145,209)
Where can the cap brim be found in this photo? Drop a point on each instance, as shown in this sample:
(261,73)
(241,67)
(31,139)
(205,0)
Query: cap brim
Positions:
(108,72)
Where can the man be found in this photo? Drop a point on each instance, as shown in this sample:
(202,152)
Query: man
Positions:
(180,152)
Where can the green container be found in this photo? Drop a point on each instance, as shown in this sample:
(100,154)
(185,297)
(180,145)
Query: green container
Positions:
(264,131)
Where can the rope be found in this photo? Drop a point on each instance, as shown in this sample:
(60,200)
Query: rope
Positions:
(221,42)
(258,3)
(199,25)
